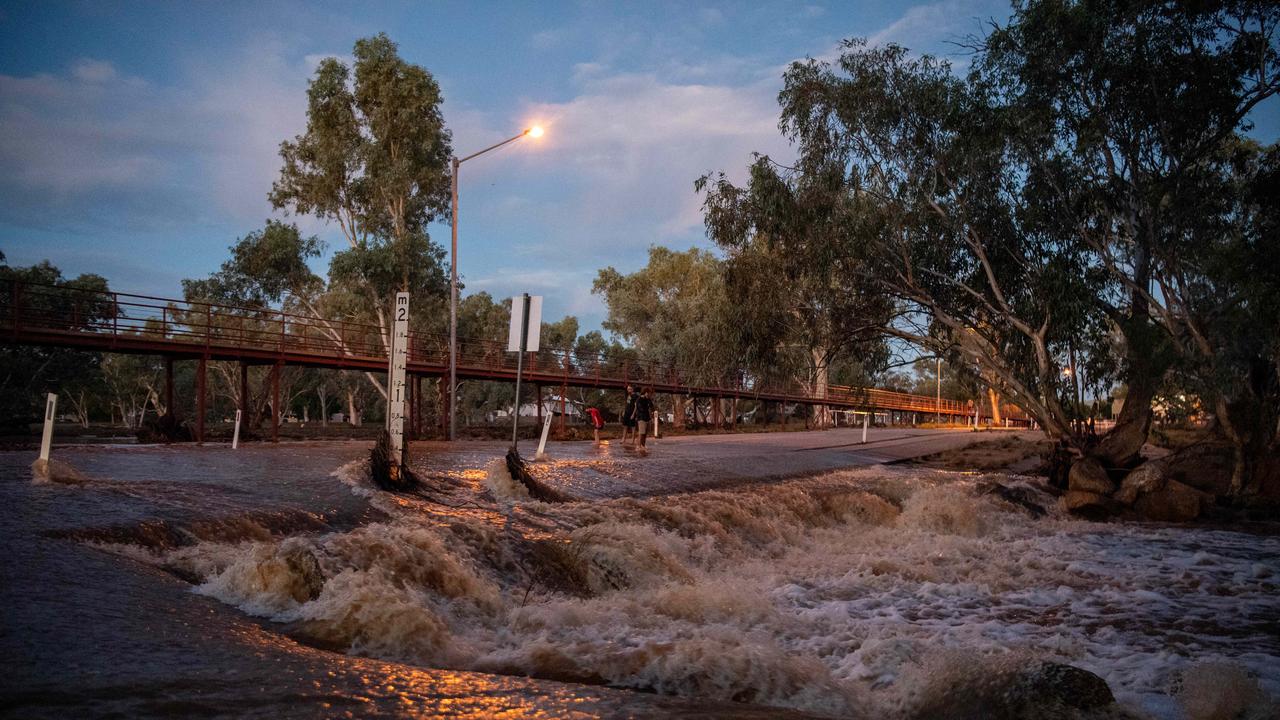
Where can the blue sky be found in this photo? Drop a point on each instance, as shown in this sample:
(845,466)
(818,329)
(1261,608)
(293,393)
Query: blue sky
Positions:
(138,140)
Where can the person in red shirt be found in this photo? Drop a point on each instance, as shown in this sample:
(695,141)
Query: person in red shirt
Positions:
(597,422)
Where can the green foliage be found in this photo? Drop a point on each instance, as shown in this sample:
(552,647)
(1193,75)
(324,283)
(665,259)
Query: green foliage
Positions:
(674,312)
(375,155)
(28,373)
(265,265)
(1016,215)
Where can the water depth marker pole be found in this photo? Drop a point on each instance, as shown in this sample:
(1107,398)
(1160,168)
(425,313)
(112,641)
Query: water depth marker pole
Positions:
(46,440)
(396,392)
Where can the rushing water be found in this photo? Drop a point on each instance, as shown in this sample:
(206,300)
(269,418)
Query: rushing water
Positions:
(274,581)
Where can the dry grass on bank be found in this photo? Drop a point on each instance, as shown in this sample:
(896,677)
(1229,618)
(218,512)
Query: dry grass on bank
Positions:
(1010,453)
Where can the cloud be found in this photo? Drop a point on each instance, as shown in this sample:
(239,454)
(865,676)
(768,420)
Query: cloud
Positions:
(96,150)
(632,145)
(927,28)
(95,71)
(547,39)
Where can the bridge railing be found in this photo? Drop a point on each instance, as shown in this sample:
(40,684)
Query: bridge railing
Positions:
(28,309)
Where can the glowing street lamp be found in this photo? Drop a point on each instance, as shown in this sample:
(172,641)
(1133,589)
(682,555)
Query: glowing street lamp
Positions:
(535,131)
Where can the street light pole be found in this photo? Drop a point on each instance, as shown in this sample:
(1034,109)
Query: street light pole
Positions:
(453,304)
(455,163)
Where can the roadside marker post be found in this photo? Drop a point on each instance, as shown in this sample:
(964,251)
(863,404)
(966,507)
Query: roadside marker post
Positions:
(235,435)
(46,440)
(866,420)
(542,444)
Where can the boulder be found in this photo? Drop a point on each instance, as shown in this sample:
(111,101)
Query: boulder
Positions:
(1007,689)
(1173,502)
(1088,475)
(54,470)
(1148,477)
(1064,684)
(1089,505)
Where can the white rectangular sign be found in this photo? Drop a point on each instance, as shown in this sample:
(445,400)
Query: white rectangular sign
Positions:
(517,318)
(396,396)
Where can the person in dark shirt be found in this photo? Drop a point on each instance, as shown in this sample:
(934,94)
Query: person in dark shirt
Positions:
(629,414)
(644,414)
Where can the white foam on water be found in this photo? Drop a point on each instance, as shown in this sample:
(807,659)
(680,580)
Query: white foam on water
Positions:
(815,594)
(355,475)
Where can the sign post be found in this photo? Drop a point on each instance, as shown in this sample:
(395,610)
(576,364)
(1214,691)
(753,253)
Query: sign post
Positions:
(235,436)
(46,440)
(523,336)
(396,389)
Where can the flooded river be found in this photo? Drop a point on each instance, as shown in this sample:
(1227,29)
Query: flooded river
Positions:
(277,582)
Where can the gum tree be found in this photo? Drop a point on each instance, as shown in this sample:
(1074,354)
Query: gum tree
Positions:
(374,160)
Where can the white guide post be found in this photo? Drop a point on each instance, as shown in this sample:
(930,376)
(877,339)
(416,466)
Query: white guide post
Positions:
(655,425)
(866,420)
(235,436)
(46,440)
(542,444)
(399,360)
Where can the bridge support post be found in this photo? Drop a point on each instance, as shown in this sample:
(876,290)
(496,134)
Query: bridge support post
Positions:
(275,402)
(244,392)
(442,403)
(168,387)
(202,367)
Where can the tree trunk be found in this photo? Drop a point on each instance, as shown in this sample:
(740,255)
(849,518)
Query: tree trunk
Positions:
(677,410)
(821,375)
(1249,423)
(995,407)
(354,416)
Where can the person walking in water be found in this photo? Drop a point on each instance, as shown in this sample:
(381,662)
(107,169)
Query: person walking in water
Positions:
(629,414)
(597,422)
(644,415)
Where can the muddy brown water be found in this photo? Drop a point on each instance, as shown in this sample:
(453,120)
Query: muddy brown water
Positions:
(690,582)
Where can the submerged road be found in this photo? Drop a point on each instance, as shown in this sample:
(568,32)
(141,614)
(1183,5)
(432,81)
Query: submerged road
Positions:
(699,462)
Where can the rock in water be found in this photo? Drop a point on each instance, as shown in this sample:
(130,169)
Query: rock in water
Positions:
(520,473)
(1148,477)
(1174,502)
(390,473)
(1089,505)
(1065,684)
(1088,475)
(1008,689)
(52,470)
